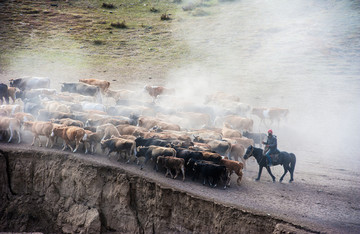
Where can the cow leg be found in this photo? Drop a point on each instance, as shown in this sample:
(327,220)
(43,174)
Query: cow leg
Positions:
(272,176)
(18,132)
(177,173)
(47,142)
(11,134)
(170,173)
(183,173)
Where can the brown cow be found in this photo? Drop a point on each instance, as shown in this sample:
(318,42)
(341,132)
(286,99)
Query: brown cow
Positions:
(233,166)
(39,128)
(126,129)
(172,163)
(119,145)
(102,84)
(69,134)
(155,91)
(12,125)
(69,122)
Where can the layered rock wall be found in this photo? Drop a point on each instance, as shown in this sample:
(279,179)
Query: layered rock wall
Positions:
(60,193)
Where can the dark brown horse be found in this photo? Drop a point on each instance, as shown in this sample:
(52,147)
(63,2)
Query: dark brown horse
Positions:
(288,160)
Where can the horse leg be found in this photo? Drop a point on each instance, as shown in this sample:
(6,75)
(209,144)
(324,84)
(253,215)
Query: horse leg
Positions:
(272,176)
(259,174)
(286,169)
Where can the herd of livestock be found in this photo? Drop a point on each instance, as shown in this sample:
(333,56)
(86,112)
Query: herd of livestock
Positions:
(206,140)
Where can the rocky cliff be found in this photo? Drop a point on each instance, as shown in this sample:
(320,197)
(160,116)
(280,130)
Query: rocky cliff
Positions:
(55,192)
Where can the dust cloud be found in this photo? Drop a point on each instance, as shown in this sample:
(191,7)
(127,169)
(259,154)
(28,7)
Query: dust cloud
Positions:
(301,55)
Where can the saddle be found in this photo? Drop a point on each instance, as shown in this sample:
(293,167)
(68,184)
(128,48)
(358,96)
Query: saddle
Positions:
(274,157)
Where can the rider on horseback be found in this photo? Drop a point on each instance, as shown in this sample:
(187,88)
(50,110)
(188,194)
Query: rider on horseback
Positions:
(271,143)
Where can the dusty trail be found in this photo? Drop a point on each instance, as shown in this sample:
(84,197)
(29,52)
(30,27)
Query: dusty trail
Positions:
(322,198)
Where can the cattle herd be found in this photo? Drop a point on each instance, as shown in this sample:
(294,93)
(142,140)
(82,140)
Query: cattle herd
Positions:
(204,140)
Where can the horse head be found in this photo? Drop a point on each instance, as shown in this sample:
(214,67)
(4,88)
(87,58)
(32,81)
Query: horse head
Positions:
(249,152)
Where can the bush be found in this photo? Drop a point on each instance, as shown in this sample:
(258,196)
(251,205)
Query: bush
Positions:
(165,17)
(108,5)
(119,24)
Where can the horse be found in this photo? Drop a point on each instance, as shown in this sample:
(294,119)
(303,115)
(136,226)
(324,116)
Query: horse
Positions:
(288,160)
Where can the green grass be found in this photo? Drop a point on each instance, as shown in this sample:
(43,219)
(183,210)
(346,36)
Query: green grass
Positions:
(79,35)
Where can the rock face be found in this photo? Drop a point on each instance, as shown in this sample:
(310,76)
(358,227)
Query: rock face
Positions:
(53,192)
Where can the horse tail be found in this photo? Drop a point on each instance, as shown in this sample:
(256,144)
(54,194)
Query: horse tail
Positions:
(292,161)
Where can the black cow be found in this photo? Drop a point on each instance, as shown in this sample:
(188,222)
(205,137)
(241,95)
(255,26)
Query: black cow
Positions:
(209,170)
(4,93)
(83,89)
(27,83)
(187,154)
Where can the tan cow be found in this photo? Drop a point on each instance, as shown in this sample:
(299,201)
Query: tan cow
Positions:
(22,117)
(39,128)
(107,130)
(11,92)
(69,134)
(12,125)
(236,122)
(228,132)
(91,139)
(272,114)
(11,109)
(102,84)
(126,129)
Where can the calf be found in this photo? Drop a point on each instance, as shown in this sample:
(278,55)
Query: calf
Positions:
(236,122)
(233,166)
(12,125)
(69,134)
(153,151)
(172,163)
(119,145)
(39,128)
(11,92)
(213,171)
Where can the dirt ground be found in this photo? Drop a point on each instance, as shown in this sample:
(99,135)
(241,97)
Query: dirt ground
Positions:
(321,198)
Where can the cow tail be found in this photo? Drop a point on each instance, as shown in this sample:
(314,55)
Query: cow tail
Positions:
(84,137)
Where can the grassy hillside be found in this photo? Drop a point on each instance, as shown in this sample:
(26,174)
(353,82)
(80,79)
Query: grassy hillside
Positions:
(117,40)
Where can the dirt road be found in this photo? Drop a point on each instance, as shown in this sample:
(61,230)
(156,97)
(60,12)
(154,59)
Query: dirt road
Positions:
(323,198)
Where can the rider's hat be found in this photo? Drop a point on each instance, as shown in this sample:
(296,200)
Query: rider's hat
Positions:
(270,131)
